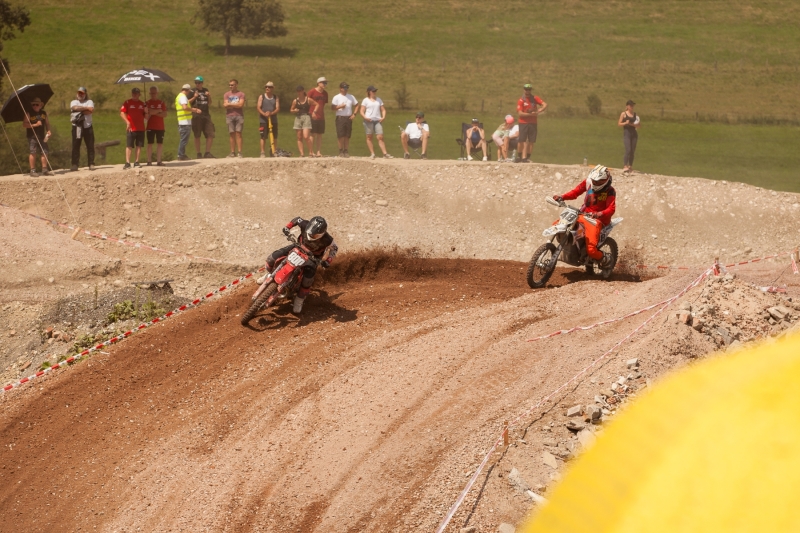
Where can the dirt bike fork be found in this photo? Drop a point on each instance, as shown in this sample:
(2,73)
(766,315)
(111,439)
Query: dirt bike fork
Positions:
(555,257)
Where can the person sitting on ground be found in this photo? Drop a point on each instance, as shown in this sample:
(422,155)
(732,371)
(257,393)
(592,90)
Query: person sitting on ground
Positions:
(315,237)
(499,137)
(37,130)
(476,139)
(599,206)
(416,136)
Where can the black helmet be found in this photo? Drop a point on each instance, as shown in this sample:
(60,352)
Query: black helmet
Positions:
(316,228)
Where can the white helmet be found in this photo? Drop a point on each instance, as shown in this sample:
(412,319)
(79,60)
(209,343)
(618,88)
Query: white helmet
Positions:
(599,178)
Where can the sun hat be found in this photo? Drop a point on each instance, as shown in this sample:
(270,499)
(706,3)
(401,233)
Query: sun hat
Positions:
(509,119)
(269,84)
(321,79)
(186,86)
(199,78)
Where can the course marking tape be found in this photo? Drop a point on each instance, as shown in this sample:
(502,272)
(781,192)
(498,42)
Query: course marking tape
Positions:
(757,259)
(462,496)
(105,237)
(194,303)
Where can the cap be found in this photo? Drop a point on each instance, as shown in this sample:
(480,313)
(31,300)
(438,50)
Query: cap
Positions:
(186,86)
(371,88)
(82,90)
(509,119)
(136,90)
(300,88)
(420,114)
(344,85)
(475,121)
(199,78)
(630,102)
(321,79)
(527,86)
(269,84)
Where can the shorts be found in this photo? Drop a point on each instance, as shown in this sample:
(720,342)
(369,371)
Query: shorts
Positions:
(33,147)
(373,126)
(317,126)
(263,128)
(135,137)
(202,125)
(415,143)
(156,136)
(344,127)
(235,123)
(302,122)
(527,133)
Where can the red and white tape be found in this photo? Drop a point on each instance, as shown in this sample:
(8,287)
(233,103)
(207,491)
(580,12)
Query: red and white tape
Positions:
(123,336)
(462,496)
(757,259)
(105,237)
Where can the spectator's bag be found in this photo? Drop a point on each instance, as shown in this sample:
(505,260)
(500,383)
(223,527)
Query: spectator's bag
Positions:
(77,120)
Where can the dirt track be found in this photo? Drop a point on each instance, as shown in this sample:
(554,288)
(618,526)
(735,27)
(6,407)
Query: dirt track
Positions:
(366,414)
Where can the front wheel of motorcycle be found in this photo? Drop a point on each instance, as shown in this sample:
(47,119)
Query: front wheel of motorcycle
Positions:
(258,303)
(540,269)
(609,247)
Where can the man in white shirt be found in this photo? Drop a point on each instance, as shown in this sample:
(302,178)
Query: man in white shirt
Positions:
(81,117)
(346,107)
(416,135)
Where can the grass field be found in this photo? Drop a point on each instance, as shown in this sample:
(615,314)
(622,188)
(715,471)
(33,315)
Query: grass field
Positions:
(683,62)
(715,151)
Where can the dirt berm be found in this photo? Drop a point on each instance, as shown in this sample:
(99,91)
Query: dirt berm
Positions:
(369,411)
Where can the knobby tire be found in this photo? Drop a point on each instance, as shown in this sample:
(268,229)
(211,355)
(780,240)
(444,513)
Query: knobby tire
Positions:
(259,303)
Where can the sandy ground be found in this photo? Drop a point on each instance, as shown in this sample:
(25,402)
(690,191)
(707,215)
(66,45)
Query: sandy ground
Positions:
(369,412)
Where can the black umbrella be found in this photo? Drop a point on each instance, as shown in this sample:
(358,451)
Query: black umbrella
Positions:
(13,112)
(144,75)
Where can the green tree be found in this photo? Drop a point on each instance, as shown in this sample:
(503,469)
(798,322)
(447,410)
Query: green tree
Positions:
(12,19)
(241,18)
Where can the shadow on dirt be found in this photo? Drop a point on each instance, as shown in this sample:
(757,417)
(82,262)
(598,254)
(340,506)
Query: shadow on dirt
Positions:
(319,307)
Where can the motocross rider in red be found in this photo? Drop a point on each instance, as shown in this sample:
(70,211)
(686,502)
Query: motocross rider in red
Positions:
(598,208)
(315,237)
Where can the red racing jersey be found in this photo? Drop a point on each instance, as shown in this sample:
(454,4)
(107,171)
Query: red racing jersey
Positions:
(602,203)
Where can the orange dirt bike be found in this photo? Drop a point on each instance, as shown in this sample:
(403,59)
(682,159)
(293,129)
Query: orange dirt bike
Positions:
(284,280)
(571,249)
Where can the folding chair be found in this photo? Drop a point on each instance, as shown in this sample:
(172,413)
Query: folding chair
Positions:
(462,142)
(411,148)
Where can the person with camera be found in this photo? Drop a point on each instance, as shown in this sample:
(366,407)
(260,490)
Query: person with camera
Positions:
(81,118)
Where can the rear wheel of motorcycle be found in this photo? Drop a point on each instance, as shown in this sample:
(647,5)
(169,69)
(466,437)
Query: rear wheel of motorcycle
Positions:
(609,247)
(539,270)
(258,303)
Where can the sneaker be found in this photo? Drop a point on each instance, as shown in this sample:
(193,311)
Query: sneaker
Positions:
(34,174)
(388,156)
(469,158)
(74,168)
(126,166)
(263,154)
(199,155)
(406,156)
(183,158)
(136,164)
(485,158)
(48,172)
(160,164)
(298,305)
(91,167)
(148,164)
(526,160)
(209,155)
(424,156)
(345,153)
(372,156)
(232,154)
(240,155)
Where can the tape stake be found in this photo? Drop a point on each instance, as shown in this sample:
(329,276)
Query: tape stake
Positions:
(794,262)
(505,433)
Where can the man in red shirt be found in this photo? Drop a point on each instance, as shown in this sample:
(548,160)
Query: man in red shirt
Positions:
(528,107)
(599,206)
(320,96)
(156,111)
(133,112)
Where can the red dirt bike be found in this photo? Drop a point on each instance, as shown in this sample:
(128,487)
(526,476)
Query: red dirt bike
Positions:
(285,279)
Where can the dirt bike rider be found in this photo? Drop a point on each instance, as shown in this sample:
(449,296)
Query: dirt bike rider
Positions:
(315,237)
(598,208)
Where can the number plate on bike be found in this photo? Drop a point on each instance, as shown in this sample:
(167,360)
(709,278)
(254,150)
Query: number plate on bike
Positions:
(569,216)
(295,259)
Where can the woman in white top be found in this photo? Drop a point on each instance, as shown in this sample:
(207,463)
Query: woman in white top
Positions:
(500,137)
(373,112)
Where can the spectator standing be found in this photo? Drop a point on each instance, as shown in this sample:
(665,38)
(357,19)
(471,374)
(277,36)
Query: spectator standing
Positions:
(37,130)
(301,107)
(476,138)
(320,96)
(268,108)
(81,118)
(234,101)
(346,107)
(528,107)
(500,138)
(374,113)
(156,111)
(185,112)
(132,112)
(200,99)
(416,136)
(629,121)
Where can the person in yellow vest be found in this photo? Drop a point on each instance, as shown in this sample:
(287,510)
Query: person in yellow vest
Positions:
(185,111)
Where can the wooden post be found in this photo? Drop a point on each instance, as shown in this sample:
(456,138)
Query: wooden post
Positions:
(505,433)
(716,266)
(75,233)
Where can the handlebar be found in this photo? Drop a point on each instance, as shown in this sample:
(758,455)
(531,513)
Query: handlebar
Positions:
(552,201)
